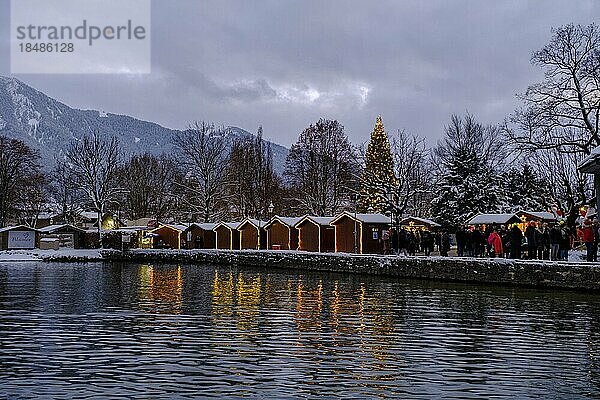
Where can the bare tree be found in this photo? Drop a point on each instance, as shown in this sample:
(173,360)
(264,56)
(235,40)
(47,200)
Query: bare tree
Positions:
(558,124)
(321,167)
(93,165)
(563,111)
(569,189)
(252,183)
(203,155)
(20,175)
(149,181)
(65,193)
(414,176)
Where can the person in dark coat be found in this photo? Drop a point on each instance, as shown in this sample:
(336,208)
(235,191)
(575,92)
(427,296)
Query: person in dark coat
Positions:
(394,240)
(477,241)
(555,236)
(544,243)
(427,242)
(469,243)
(412,243)
(460,241)
(596,240)
(532,246)
(565,243)
(588,239)
(505,236)
(444,244)
(516,239)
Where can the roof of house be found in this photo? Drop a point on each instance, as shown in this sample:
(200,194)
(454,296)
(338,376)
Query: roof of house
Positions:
(487,219)
(177,227)
(255,222)
(228,225)
(289,221)
(207,226)
(324,221)
(544,215)
(591,164)
(364,218)
(54,228)
(419,219)
(17,227)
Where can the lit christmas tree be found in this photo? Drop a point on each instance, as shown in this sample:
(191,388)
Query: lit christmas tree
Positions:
(378,177)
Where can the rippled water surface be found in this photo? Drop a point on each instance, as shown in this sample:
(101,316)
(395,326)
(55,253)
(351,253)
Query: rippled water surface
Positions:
(143,331)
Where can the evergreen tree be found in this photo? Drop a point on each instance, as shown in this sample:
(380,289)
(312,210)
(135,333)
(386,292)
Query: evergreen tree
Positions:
(468,179)
(378,177)
(525,190)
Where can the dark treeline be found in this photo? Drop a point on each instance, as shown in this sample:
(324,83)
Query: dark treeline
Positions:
(528,161)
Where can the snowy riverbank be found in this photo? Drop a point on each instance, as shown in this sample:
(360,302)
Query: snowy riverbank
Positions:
(538,273)
(50,255)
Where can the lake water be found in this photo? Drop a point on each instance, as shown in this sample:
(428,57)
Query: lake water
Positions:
(143,331)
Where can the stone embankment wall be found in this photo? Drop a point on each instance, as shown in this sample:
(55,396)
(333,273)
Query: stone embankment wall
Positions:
(500,271)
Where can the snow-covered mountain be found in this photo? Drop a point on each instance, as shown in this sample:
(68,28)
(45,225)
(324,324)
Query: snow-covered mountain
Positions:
(49,126)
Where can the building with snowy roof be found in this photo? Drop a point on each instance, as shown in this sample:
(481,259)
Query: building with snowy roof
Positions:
(418,223)
(19,237)
(494,219)
(227,237)
(359,233)
(316,234)
(252,234)
(282,233)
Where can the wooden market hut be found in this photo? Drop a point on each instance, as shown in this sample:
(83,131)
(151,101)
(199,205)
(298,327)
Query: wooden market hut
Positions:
(537,216)
(252,234)
(19,237)
(418,224)
(68,236)
(200,236)
(493,219)
(316,234)
(168,236)
(360,233)
(282,233)
(227,237)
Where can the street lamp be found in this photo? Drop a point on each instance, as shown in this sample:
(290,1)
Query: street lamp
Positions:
(355,200)
(271,208)
(390,198)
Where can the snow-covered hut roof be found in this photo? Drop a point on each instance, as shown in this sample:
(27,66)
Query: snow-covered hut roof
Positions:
(93,215)
(364,218)
(228,225)
(591,164)
(48,215)
(489,219)
(177,227)
(17,227)
(54,228)
(543,215)
(424,221)
(324,221)
(255,222)
(207,226)
(288,221)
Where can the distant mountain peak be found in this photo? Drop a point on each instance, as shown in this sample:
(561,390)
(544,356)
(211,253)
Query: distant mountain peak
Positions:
(48,125)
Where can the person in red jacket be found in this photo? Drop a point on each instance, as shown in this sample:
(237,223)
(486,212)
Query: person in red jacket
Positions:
(587,234)
(495,242)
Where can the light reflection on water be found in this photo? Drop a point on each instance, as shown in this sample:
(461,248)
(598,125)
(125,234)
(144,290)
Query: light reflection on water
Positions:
(74,330)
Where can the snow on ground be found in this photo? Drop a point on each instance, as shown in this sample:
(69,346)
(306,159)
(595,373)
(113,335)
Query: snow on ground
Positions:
(49,255)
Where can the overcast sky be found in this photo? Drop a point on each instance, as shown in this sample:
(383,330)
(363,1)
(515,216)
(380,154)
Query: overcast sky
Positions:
(283,64)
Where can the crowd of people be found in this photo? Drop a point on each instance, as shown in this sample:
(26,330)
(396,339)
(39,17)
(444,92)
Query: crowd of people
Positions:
(540,241)
(408,242)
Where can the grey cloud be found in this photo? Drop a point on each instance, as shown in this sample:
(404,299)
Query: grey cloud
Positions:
(284,64)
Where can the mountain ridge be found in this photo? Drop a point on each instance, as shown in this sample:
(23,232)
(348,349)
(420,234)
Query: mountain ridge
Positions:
(48,125)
